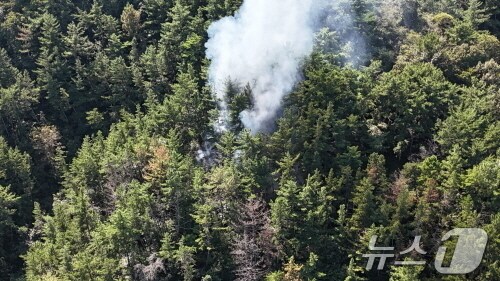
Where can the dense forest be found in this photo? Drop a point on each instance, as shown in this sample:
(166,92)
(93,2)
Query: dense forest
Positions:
(112,166)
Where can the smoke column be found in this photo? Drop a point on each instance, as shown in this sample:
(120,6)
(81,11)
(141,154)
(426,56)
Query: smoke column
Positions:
(263,44)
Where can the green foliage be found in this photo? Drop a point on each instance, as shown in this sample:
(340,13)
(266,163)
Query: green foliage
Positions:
(187,109)
(8,229)
(405,273)
(111,169)
(406,103)
(471,126)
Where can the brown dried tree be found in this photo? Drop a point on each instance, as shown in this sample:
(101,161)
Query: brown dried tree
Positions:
(253,250)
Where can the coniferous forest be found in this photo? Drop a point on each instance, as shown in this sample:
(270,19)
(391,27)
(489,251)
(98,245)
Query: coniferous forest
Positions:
(114,164)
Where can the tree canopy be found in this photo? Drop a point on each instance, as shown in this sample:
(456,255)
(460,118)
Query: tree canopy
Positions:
(111,166)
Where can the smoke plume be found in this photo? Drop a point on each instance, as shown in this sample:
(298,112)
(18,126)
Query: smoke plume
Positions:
(263,45)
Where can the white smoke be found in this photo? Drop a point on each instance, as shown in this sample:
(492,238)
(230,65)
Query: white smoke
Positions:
(263,44)
(340,19)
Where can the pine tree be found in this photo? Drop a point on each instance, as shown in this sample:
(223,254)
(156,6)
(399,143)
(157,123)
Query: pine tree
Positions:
(173,34)
(171,174)
(15,172)
(52,69)
(218,197)
(130,19)
(77,44)
(17,104)
(288,169)
(187,110)
(65,233)
(8,232)
(285,217)
(186,261)
(417,92)
(475,14)
(402,215)
(7,71)
(492,250)
(130,229)
(102,24)
(406,273)
(368,195)
(155,15)
(353,273)
(215,10)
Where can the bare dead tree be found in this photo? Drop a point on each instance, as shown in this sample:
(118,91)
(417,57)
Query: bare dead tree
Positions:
(253,249)
(151,271)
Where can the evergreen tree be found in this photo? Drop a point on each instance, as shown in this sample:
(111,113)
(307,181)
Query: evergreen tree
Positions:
(408,102)
(369,195)
(8,231)
(187,110)
(173,34)
(112,167)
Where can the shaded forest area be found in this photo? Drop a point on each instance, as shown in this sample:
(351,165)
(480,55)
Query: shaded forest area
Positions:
(105,107)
